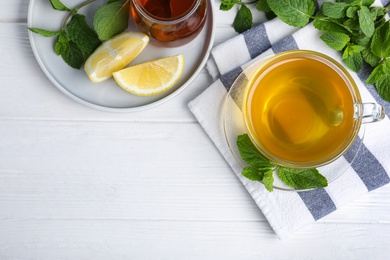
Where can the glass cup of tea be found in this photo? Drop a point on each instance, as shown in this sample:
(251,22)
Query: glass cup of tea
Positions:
(169,23)
(302,109)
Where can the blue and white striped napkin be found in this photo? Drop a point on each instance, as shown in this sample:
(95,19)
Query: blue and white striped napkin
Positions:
(287,211)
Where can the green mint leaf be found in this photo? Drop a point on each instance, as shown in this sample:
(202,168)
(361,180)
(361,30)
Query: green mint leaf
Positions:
(262,6)
(252,174)
(367,2)
(353,25)
(324,24)
(353,2)
(380,76)
(370,57)
(243,20)
(378,12)
(362,40)
(270,15)
(380,22)
(334,10)
(335,40)
(261,175)
(353,58)
(380,44)
(302,178)
(383,87)
(294,13)
(73,55)
(261,169)
(268,180)
(58,5)
(63,37)
(352,11)
(60,47)
(250,154)
(366,21)
(80,33)
(377,74)
(226,5)
(61,43)
(45,33)
(360,2)
(112,19)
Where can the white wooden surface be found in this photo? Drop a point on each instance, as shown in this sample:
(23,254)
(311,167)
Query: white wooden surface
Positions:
(77,183)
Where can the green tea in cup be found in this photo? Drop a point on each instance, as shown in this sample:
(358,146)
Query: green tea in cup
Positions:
(302,109)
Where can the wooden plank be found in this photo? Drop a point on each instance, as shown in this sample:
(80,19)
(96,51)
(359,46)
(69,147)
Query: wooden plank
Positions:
(163,170)
(124,239)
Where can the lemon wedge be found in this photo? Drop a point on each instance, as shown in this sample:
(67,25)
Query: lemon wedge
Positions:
(151,77)
(114,54)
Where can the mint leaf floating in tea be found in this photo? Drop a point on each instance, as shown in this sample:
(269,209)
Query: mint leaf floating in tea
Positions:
(112,18)
(262,170)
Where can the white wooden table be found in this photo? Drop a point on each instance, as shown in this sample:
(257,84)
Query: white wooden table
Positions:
(78,183)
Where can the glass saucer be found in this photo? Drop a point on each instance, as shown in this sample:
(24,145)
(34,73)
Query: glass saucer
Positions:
(234,125)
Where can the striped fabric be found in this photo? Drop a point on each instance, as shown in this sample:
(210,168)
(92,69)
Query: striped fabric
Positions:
(287,211)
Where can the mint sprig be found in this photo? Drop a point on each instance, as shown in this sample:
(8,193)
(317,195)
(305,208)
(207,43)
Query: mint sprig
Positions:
(76,40)
(354,27)
(261,169)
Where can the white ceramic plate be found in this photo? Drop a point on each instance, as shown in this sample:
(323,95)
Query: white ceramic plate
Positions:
(108,96)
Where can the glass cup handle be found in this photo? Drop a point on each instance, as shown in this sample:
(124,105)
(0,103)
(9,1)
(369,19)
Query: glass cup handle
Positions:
(372,112)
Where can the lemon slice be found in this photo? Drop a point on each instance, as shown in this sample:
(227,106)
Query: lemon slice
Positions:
(152,77)
(114,54)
